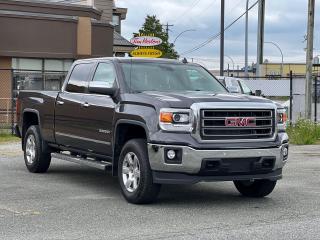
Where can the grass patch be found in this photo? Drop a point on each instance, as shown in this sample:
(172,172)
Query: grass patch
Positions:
(304,132)
(6,137)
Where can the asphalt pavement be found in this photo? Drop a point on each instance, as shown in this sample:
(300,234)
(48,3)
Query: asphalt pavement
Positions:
(76,202)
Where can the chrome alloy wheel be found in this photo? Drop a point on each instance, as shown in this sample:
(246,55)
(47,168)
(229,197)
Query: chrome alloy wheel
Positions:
(31,149)
(131,172)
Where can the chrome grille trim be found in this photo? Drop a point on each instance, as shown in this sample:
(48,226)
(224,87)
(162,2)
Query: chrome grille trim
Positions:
(213,128)
(229,106)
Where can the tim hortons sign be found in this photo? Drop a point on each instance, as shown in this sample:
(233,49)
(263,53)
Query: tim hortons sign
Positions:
(146,53)
(146,41)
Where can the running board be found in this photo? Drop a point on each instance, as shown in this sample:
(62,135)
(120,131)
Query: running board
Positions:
(82,161)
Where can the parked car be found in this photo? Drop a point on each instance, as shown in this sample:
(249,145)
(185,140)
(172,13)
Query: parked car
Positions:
(235,85)
(153,122)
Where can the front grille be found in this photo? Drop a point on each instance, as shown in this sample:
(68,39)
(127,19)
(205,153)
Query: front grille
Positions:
(236,124)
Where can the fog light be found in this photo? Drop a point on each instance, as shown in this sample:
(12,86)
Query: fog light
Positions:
(285,152)
(171,154)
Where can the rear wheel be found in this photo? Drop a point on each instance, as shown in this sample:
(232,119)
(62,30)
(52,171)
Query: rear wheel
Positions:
(135,175)
(36,155)
(256,188)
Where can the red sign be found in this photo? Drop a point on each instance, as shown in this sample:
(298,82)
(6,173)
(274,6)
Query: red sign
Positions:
(146,41)
(240,122)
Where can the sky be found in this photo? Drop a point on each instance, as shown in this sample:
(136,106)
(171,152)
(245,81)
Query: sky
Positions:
(285,24)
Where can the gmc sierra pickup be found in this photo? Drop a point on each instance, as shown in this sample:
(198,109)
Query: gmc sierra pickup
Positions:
(153,122)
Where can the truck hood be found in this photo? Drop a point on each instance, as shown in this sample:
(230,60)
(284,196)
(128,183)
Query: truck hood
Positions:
(186,99)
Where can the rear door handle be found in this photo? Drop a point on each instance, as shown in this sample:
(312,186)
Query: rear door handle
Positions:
(85,105)
(60,102)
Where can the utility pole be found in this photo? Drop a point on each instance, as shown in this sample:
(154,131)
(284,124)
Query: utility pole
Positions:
(222,39)
(261,14)
(246,41)
(308,93)
(167,27)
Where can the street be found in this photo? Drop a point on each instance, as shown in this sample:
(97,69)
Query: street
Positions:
(76,202)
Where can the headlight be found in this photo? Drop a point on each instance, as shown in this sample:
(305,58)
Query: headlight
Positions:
(282,119)
(176,120)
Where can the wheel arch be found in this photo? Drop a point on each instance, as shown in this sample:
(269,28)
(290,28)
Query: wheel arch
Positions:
(29,117)
(126,130)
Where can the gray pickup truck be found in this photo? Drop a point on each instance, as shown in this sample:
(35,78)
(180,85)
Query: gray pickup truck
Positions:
(152,122)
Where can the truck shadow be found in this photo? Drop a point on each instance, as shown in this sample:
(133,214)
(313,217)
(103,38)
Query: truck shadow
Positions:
(218,194)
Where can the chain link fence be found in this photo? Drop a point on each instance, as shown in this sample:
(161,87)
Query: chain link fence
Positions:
(14,80)
(290,92)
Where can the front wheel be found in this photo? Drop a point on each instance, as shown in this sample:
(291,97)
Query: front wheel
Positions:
(135,175)
(256,188)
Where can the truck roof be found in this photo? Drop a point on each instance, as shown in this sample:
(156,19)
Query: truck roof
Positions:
(130,59)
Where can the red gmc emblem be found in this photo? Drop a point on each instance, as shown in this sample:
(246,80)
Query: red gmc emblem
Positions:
(240,122)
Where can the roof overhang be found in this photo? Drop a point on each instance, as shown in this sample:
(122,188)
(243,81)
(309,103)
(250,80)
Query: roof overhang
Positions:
(50,8)
(121,11)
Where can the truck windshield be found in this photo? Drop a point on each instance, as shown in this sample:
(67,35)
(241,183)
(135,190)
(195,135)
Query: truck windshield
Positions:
(169,77)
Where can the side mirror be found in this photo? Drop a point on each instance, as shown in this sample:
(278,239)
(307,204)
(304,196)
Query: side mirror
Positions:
(233,89)
(102,88)
(258,93)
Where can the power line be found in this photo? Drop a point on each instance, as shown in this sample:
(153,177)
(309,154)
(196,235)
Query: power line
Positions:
(185,11)
(68,1)
(203,11)
(218,34)
(206,9)
(210,39)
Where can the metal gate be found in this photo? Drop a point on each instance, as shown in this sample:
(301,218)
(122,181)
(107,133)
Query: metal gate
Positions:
(298,98)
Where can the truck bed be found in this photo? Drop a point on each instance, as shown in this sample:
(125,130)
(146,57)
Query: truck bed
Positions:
(43,104)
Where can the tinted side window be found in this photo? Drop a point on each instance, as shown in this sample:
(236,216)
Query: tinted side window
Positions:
(79,78)
(105,74)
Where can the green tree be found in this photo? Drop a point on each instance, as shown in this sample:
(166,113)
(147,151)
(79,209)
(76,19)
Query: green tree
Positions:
(152,26)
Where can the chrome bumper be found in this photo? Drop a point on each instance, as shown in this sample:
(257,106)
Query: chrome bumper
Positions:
(192,158)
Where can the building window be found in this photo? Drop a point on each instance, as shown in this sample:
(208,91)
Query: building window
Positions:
(27,64)
(116,20)
(40,74)
(57,65)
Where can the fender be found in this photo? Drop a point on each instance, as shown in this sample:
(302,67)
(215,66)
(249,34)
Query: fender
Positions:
(124,121)
(30,110)
(132,122)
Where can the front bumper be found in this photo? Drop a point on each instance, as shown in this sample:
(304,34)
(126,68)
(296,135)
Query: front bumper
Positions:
(226,164)
(181,178)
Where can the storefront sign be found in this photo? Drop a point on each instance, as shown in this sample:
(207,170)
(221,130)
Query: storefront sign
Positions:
(146,41)
(146,53)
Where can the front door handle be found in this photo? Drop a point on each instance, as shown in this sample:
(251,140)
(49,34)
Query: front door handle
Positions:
(60,102)
(85,105)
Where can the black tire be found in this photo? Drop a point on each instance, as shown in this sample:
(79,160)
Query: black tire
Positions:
(256,189)
(42,157)
(146,191)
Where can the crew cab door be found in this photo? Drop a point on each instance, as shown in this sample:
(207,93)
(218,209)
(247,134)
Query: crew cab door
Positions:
(99,111)
(69,128)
